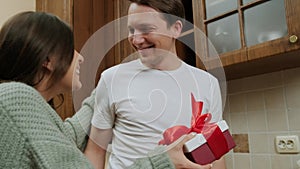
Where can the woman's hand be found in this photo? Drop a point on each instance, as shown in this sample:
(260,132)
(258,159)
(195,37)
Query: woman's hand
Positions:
(175,152)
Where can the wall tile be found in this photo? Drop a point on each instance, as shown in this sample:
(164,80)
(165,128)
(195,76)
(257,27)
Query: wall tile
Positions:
(261,162)
(281,162)
(259,143)
(292,94)
(242,161)
(277,120)
(229,160)
(294,161)
(263,107)
(238,123)
(237,103)
(294,119)
(257,121)
(242,143)
(274,99)
(255,101)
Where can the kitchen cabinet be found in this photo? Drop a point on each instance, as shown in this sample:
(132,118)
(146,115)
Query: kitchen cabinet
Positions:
(250,36)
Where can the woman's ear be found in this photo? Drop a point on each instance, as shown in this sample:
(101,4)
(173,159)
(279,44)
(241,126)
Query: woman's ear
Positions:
(177,28)
(48,65)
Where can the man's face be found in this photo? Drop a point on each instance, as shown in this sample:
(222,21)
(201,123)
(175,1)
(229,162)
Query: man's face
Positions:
(149,33)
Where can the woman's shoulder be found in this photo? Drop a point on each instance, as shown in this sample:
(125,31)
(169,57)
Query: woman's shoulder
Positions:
(15,91)
(15,87)
(24,105)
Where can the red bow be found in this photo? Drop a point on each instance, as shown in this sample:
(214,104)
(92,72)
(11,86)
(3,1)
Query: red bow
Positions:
(199,124)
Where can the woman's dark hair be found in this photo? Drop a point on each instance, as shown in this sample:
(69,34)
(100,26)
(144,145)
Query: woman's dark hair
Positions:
(29,39)
(169,9)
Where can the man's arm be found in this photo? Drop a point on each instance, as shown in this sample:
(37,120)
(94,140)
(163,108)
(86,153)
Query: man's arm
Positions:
(97,146)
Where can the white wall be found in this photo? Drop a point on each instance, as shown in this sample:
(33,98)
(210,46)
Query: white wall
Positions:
(9,8)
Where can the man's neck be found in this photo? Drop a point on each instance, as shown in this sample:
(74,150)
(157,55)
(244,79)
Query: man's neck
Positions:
(167,64)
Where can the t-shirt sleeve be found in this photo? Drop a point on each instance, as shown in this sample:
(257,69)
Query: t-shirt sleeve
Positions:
(104,116)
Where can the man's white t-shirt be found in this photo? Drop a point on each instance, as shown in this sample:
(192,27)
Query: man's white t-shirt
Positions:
(140,103)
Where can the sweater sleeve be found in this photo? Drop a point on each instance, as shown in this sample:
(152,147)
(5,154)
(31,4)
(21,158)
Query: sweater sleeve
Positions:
(157,159)
(79,125)
(34,136)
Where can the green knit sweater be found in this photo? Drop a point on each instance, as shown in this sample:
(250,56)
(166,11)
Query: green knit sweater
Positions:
(34,136)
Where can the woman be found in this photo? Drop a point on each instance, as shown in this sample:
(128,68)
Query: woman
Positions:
(37,61)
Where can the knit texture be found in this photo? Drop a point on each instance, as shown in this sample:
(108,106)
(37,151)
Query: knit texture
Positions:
(157,159)
(34,136)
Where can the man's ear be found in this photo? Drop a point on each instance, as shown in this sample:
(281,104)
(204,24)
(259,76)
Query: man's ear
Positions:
(177,28)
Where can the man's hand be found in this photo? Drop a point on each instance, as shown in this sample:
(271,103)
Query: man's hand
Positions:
(176,154)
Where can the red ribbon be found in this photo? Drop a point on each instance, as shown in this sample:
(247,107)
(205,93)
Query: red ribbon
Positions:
(199,124)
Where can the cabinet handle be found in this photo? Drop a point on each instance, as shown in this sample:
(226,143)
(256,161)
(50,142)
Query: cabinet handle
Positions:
(293,39)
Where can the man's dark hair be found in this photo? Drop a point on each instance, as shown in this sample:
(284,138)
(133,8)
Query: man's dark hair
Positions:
(172,10)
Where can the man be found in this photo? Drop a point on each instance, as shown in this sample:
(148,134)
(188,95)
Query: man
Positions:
(137,101)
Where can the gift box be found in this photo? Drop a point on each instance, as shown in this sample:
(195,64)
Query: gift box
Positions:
(205,149)
(211,142)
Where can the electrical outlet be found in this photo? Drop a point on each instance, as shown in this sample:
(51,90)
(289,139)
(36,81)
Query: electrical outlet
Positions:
(287,144)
